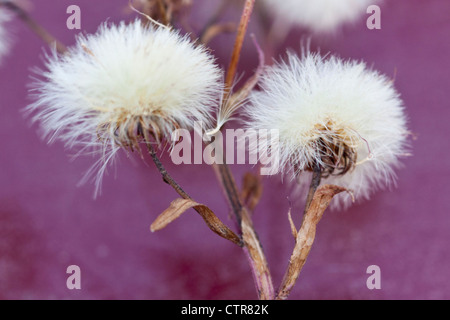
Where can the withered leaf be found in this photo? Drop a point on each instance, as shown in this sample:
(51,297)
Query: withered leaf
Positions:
(292,224)
(175,210)
(180,206)
(252,190)
(306,235)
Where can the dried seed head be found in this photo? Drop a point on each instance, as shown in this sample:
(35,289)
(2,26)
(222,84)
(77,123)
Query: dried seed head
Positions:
(336,152)
(125,84)
(337,115)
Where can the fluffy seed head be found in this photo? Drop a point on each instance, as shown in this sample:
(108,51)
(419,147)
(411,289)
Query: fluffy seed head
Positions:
(318,15)
(123,84)
(4,37)
(336,114)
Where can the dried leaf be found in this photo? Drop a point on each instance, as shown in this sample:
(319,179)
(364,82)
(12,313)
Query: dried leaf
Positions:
(175,210)
(180,206)
(292,224)
(251,83)
(306,235)
(252,190)
(216,30)
(322,199)
(233,101)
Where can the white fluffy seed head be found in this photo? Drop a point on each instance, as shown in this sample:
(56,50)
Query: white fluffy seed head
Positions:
(318,15)
(337,114)
(124,80)
(5,40)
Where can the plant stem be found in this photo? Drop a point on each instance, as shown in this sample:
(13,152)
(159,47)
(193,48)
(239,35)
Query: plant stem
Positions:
(35,27)
(165,175)
(315,182)
(252,245)
(242,30)
(228,183)
(163,12)
(258,261)
(208,216)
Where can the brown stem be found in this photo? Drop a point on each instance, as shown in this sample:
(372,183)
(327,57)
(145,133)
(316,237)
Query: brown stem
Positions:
(163,12)
(242,30)
(208,216)
(258,261)
(315,182)
(165,175)
(35,27)
(228,183)
(252,245)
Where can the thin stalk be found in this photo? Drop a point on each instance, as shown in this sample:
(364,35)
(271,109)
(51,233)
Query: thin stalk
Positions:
(242,30)
(165,175)
(163,12)
(315,182)
(35,27)
(252,245)
(212,221)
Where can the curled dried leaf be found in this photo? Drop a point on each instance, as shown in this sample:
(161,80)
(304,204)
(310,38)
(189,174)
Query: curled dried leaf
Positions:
(217,29)
(252,190)
(306,235)
(180,206)
(292,224)
(175,210)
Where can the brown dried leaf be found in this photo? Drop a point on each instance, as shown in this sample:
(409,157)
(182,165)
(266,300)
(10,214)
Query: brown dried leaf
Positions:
(322,199)
(306,235)
(292,224)
(180,206)
(252,190)
(175,210)
(233,101)
(251,83)
(217,29)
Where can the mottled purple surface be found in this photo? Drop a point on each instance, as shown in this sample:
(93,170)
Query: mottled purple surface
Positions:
(48,223)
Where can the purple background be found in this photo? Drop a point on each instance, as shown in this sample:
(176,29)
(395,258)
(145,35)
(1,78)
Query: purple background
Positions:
(48,223)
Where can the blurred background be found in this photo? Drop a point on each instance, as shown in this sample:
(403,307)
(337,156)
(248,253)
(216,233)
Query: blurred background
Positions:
(47,222)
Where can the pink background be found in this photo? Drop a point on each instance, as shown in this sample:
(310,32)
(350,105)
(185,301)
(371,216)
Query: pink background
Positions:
(48,223)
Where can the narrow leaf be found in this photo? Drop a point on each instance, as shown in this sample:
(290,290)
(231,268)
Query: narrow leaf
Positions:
(175,210)
(252,190)
(180,206)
